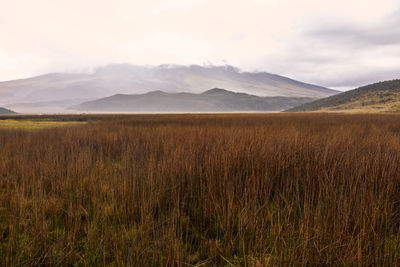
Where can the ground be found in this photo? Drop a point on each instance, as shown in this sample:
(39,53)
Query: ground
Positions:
(201,190)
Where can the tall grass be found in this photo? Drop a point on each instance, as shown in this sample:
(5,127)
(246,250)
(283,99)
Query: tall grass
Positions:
(181,190)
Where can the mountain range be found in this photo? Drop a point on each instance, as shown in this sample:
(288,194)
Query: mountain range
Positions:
(214,100)
(377,97)
(4,111)
(56,91)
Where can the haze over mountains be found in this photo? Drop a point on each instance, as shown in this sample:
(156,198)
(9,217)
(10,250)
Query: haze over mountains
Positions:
(55,92)
(4,111)
(214,100)
(377,97)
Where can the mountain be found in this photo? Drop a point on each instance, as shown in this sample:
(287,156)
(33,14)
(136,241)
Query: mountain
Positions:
(4,111)
(131,79)
(45,106)
(214,100)
(378,97)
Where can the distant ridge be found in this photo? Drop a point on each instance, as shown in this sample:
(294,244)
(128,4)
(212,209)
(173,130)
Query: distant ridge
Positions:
(214,100)
(57,91)
(4,111)
(377,97)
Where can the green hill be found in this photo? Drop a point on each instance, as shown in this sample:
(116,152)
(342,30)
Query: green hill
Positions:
(378,97)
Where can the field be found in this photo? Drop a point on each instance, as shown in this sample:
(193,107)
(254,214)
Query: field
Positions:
(202,190)
(34,124)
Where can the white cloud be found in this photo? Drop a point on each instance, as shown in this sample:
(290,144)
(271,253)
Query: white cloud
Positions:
(270,35)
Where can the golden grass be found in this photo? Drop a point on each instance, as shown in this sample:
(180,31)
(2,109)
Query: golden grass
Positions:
(35,124)
(210,190)
(370,102)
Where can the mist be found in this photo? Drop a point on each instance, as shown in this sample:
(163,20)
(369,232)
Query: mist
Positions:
(318,42)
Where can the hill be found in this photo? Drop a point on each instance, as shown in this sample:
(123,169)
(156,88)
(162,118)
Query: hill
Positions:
(60,90)
(4,111)
(378,97)
(214,100)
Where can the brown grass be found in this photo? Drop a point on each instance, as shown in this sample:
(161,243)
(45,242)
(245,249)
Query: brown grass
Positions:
(184,190)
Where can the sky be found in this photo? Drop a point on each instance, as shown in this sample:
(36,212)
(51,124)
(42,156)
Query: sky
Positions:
(339,44)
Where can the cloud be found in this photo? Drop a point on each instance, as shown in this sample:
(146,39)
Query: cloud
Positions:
(385,32)
(342,52)
(338,44)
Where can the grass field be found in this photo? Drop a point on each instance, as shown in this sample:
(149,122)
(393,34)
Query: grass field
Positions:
(202,190)
(35,124)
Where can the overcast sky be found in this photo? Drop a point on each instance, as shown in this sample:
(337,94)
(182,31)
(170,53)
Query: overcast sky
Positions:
(341,43)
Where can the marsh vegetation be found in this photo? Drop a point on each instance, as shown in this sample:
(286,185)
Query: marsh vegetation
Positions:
(181,190)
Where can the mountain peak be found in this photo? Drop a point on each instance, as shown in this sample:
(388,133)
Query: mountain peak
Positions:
(156,92)
(217,91)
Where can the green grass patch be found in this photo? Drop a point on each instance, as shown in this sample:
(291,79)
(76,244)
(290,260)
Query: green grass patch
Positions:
(36,124)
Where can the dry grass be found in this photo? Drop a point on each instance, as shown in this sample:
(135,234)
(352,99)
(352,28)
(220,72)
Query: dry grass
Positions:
(370,102)
(182,190)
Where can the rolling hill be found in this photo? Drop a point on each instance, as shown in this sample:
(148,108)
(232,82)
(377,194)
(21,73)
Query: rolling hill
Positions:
(214,100)
(4,111)
(378,97)
(60,90)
